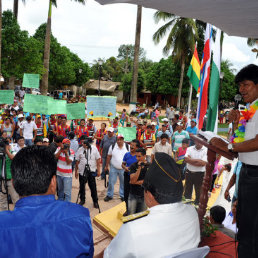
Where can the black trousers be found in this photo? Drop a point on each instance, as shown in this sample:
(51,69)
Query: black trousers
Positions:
(193,179)
(126,188)
(92,185)
(247,212)
(213,181)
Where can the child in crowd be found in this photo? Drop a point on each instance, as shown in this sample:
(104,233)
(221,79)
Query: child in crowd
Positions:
(180,156)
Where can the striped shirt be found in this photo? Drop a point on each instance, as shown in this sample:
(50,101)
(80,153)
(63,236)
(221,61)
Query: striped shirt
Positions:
(62,168)
(178,138)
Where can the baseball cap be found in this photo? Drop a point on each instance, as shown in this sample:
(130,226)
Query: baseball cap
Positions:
(20,116)
(153,123)
(164,120)
(110,129)
(38,116)
(45,140)
(140,122)
(66,141)
(180,123)
(120,136)
(194,120)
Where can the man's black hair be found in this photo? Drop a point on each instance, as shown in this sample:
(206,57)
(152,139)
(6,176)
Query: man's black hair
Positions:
(71,135)
(162,197)
(59,138)
(32,170)
(63,117)
(104,124)
(218,213)
(185,141)
(137,142)
(164,135)
(249,72)
(177,116)
(149,126)
(82,119)
(19,138)
(38,140)
(142,151)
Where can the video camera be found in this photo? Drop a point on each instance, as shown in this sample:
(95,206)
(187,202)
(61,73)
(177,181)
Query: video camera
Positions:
(87,141)
(3,143)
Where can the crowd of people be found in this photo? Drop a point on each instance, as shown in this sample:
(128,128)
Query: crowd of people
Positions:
(40,153)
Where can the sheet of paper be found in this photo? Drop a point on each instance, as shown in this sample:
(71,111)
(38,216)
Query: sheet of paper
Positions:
(129,133)
(30,80)
(6,96)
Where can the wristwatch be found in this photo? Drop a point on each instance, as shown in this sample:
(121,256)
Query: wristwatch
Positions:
(230,147)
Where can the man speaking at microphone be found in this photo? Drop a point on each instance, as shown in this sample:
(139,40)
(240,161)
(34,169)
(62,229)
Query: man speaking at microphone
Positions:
(245,142)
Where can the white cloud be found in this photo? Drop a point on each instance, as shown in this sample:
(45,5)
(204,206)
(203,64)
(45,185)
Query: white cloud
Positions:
(94,31)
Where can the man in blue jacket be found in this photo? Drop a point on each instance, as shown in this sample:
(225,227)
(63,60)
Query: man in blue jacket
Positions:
(41,226)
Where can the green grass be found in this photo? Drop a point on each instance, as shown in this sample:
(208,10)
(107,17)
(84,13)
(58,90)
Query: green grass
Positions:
(222,125)
(225,134)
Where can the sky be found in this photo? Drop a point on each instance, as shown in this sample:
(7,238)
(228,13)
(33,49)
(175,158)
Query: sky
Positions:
(94,31)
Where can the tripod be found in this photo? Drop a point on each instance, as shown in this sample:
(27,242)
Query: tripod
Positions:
(87,176)
(3,179)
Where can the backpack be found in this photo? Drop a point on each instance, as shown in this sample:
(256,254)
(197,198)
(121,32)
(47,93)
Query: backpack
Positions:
(126,145)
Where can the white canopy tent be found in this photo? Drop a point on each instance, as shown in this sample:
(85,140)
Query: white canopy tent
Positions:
(235,17)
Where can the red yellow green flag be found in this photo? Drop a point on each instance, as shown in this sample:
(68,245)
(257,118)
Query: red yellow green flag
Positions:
(194,70)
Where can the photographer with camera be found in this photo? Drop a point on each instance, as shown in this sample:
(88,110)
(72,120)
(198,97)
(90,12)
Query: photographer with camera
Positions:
(65,157)
(87,163)
(6,187)
(137,173)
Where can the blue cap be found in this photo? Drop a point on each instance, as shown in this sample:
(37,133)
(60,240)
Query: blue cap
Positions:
(194,120)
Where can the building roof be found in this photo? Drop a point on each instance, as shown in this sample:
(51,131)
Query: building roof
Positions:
(108,86)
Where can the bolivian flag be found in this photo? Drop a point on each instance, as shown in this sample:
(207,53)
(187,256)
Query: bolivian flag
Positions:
(194,70)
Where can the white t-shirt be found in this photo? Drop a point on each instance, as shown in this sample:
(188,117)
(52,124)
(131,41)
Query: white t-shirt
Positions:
(251,130)
(93,156)
(117,155)
(27,129)
(166,230)
(196,154)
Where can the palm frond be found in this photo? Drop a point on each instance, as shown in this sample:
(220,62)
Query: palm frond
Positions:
(161,32)
(159,15)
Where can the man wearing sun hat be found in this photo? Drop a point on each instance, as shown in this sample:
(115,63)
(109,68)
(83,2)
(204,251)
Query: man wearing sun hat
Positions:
(115,156)
(168,227)
(65,157)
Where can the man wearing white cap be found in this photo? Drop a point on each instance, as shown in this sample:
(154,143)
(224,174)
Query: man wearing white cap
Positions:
(115,156)
(108,140)
(169,127)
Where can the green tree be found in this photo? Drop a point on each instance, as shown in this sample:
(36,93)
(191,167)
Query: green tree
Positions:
(65,67)
(228,88)
(181,38)
(21,53)
(44,82)
(162,77)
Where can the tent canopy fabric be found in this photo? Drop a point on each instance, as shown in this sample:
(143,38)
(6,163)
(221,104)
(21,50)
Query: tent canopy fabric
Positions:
(235,17)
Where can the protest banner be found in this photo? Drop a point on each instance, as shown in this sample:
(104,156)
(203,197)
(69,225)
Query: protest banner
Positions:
(6,96)
(36,104)
(129,133)
(30,80)
(75,111)
(104,106)
(48,106)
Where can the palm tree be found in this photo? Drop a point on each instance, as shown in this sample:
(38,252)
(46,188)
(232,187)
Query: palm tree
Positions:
(44,82)
(181,38)
(133,95)
(253,42)
(16,8)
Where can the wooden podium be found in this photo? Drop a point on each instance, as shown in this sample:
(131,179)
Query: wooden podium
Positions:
(212,150)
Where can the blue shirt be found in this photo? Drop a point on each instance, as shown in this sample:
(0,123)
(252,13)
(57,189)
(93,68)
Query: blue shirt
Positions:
(129,159)
(40,226)
(167,133)
(193,130)
(237,170)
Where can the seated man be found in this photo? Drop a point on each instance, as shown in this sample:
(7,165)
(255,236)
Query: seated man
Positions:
(40,226)
(168,227)
(217,216)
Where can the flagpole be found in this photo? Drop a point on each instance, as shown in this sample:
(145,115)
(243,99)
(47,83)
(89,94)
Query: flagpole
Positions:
(189,102)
